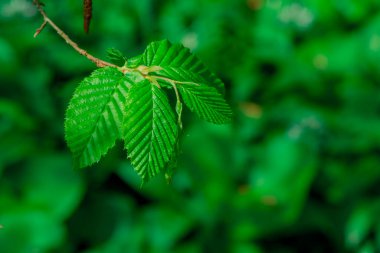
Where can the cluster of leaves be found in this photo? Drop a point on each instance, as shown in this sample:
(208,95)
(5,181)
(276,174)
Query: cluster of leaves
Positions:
(128,102)
(297,170)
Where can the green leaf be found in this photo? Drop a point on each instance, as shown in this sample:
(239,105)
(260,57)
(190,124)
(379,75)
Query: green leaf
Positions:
(134,61)
(175,56)
(94,115)
(128,102)
(150,129)
(116,57)
(200,91)
(181,75)
(201,99)
(206,102)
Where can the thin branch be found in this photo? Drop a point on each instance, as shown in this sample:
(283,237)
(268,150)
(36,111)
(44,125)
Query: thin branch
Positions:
(98,62)
(39,30)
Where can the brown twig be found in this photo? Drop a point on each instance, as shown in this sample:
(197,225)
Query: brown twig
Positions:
(98,62)
(39,30)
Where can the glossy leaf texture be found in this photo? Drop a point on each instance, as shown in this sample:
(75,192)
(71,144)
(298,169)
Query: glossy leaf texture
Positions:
(150,129)
(175,56)
(95,114)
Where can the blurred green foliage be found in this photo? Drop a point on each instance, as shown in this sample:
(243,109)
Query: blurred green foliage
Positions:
(297,171)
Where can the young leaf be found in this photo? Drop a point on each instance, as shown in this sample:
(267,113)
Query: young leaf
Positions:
(134,61)
(150,129)
(166,55)
(95,113)
(206,102)
(116,57)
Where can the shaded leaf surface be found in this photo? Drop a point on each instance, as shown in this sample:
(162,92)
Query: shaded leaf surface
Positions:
(116,57)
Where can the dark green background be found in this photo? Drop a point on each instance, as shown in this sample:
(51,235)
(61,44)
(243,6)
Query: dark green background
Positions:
(298,170)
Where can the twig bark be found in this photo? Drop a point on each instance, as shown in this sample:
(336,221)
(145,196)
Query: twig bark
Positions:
(100,63)
(39,30)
